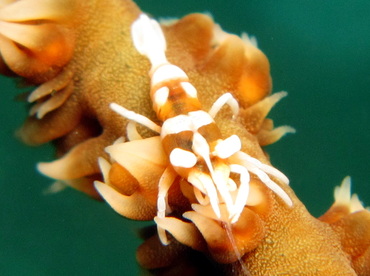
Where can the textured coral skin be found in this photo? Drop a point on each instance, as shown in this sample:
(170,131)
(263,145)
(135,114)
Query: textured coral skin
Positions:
(85,114)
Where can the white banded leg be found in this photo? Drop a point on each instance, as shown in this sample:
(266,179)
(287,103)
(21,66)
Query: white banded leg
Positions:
(261,171)
(228,99)
(243,191)
(266,168)
(200,179)
(220,177)
(165,182)
(271,184)
(133,116)
(203,200)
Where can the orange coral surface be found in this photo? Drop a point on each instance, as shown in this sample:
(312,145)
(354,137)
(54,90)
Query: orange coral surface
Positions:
(81,57)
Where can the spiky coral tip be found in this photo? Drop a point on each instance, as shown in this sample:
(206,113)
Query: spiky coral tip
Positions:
(342,196)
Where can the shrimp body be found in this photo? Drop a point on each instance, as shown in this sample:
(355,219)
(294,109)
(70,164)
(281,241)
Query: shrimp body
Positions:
(190,137)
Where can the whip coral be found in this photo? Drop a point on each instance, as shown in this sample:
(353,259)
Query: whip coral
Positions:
(205,181)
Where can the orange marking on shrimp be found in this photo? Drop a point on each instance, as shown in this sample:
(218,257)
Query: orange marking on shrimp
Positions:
(191,138)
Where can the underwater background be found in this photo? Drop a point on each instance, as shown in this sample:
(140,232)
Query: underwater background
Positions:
(319,52)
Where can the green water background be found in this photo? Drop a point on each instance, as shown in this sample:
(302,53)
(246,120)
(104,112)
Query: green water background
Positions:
(319,52)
